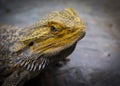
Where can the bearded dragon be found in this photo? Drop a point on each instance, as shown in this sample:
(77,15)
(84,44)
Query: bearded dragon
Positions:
(24,53)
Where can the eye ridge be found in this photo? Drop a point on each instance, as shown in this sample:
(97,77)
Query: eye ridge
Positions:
(53,29)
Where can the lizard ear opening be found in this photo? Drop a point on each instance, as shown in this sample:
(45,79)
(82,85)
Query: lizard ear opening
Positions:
(31,44)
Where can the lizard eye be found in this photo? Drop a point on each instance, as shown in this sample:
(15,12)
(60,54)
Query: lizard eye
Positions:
(53,29)
(31,44)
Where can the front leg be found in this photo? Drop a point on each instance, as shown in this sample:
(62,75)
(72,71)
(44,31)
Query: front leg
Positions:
(17,78)
(65,60)
(62,62)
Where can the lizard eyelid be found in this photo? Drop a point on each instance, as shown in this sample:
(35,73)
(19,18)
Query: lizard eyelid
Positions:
(53,29)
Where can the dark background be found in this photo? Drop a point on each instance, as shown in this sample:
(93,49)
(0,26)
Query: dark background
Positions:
(96,59)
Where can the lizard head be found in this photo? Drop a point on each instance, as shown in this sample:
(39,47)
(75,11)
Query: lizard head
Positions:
(57,31)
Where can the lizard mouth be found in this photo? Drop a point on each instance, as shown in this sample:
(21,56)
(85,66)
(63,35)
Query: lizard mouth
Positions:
(82,36)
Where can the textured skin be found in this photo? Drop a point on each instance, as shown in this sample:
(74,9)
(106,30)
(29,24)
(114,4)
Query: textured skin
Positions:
(25,52)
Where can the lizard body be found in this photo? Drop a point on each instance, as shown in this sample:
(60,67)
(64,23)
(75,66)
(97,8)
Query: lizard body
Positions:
(25,52)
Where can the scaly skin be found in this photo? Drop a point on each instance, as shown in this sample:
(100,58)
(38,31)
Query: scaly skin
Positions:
(25,52)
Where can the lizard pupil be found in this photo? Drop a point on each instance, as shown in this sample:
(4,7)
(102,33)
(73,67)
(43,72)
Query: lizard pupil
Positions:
(53,29)
(31,44)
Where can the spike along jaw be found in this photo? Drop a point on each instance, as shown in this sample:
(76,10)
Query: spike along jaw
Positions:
(49,36)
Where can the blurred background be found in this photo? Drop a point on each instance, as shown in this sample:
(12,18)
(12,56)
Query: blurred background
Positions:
(96,59)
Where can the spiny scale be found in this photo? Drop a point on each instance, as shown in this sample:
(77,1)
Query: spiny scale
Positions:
(33,65)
